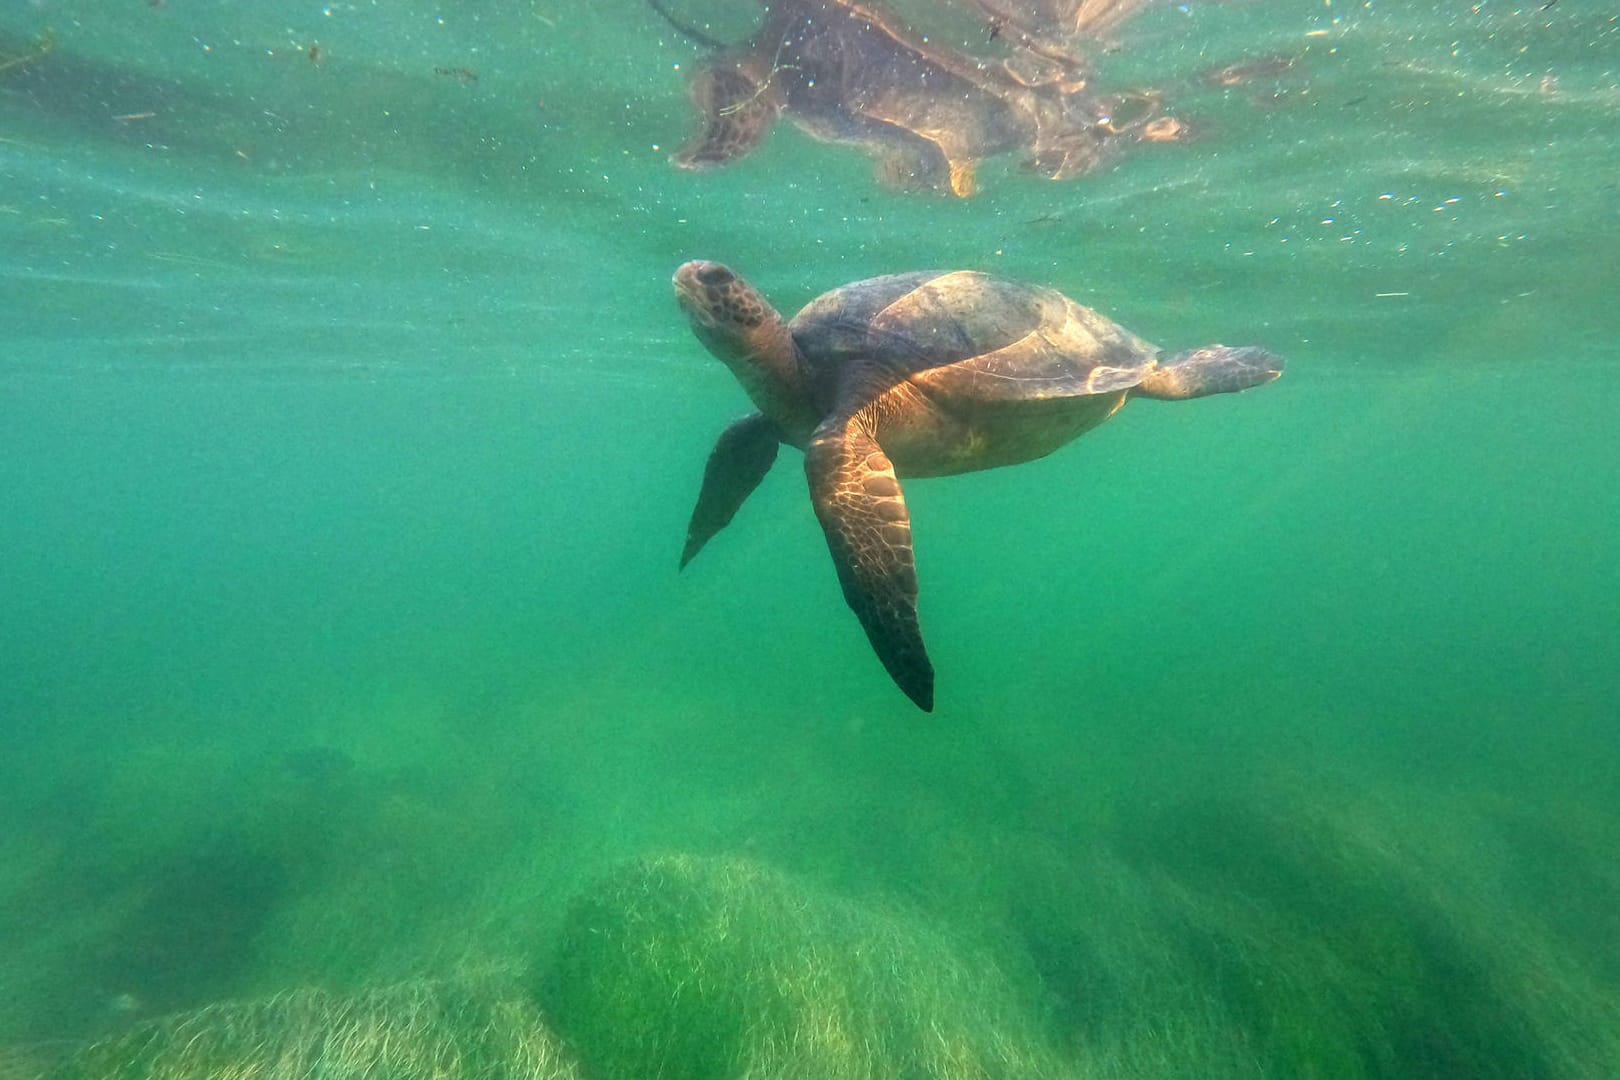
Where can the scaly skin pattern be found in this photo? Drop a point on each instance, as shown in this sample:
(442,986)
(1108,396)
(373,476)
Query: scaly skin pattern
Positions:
(742,329)
(863,513)
(739,101)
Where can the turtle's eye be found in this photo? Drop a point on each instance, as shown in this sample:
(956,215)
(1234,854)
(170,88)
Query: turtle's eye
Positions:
(715,275)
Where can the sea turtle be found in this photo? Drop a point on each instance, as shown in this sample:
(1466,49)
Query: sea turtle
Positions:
(850,72)
(919,374)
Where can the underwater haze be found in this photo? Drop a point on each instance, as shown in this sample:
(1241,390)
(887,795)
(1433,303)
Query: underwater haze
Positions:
(356,719)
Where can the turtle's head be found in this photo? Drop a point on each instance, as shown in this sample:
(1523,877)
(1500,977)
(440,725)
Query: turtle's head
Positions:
(727,314)
(740,327)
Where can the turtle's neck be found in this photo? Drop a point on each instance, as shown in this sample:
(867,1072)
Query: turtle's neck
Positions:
(768,365)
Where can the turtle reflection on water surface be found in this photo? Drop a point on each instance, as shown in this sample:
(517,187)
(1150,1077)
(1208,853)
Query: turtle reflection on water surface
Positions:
(848,72)
(920,374)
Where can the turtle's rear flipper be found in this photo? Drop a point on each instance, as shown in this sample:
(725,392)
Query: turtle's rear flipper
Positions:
(738,107)
(1214,369)
(739,461)
(863,512)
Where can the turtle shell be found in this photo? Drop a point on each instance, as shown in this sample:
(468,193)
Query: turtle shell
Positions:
(965,333)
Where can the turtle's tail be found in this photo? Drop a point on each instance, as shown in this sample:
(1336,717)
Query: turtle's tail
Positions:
(1214,369)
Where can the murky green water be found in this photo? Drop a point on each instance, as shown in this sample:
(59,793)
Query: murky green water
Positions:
(352,705)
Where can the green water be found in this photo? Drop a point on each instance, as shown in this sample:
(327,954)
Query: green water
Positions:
(348,434)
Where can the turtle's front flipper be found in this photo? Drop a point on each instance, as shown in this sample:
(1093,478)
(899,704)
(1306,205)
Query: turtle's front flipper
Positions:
(738,104)
(1214,369)
(863,512)
(739,461)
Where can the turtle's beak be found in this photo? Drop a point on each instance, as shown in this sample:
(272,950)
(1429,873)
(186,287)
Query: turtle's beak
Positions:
(689,294)
(685,281)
